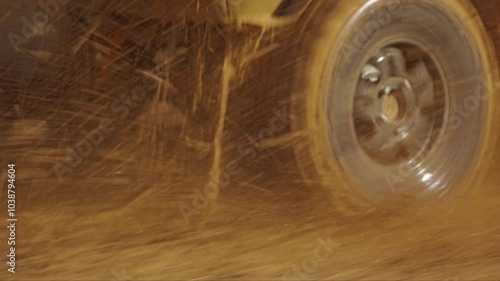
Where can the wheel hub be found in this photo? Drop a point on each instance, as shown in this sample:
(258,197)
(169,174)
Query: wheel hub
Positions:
(390,104)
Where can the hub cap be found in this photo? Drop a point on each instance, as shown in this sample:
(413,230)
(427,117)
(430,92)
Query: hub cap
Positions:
(390,106)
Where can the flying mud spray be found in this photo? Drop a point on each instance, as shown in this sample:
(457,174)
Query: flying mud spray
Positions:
(249,140)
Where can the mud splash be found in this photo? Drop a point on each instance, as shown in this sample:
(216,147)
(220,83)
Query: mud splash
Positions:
(119,122)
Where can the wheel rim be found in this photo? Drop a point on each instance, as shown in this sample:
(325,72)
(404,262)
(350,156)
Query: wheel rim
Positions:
(399,134)
(396,108)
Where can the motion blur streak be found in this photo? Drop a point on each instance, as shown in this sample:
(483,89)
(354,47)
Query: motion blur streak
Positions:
(122,124)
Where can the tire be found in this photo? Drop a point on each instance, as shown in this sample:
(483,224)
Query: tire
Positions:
(397,101)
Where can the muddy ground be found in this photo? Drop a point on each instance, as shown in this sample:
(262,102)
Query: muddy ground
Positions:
(119,116)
